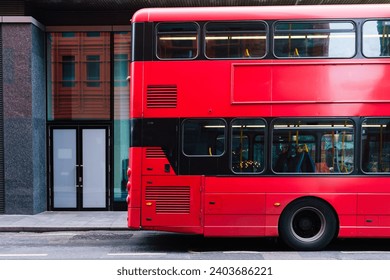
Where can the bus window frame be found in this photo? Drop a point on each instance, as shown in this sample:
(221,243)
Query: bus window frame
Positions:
(198,45)
(354,30)
(362,39)
(355,141)
(265,148)
(267,36)
(225,135)
(370,173)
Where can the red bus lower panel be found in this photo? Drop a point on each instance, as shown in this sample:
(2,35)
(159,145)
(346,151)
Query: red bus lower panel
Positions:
(133,220)
(172,203)
(234,225)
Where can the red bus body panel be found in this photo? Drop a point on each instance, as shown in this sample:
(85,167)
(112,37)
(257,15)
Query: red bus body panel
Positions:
(172,202)
(327,88)
(159,199)
(251,206)
(134,190)
(359,208)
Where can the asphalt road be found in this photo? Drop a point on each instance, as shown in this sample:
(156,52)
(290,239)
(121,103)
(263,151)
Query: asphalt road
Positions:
(145,245)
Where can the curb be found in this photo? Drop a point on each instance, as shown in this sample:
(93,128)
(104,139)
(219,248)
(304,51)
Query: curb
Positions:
(52,229)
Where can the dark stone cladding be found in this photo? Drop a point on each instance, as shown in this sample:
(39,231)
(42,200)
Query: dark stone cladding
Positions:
(24,92)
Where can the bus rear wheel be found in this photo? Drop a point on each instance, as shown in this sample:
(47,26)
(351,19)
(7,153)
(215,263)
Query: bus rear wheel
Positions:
(308,224)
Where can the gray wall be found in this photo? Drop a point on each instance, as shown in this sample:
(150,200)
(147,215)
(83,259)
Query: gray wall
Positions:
(24,99)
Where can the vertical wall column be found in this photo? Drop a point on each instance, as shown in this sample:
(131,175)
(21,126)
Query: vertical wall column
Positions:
(24,113)
(2,193)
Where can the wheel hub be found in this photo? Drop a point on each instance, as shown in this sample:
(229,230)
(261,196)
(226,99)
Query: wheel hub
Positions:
(308,224)
(305,224)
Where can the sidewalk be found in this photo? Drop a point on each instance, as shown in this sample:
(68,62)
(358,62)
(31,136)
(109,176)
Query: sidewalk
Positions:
(65,221)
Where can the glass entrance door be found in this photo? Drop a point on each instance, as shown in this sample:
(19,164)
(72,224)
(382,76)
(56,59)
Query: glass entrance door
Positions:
(93,168)
(79,172)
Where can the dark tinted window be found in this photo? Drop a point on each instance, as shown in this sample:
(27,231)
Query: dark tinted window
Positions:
(376,145)
(204,137)
(236,39)
(248,144)
(177,40)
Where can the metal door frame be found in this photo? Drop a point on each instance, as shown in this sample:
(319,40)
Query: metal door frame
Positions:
(79,153)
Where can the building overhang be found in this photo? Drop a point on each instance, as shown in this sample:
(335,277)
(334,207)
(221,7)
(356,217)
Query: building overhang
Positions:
(119,12)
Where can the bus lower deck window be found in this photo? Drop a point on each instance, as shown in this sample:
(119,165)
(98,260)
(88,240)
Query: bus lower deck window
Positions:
(204,137)
(308,146)
(376,145)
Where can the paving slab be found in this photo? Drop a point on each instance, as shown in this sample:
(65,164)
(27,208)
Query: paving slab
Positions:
(65,221)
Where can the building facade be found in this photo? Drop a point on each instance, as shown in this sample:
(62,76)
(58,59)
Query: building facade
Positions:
(64,99)
(64,94)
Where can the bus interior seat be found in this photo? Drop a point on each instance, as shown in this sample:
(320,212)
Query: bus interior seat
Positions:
(304,161)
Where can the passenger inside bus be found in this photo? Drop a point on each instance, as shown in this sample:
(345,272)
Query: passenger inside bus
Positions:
(296,160)
(283,163)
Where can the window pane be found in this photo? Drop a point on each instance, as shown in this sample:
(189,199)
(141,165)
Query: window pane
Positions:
(121,70)
(78,76)
(236,40)
(308,146)
(248,145)
(315,39)
(376,145)
(121,124)
(376,40)
(68,34)
(337,149)
(93,70)
(204,137)
(93,34)
(314,26)
(68,71)
(177,40)
(122,57)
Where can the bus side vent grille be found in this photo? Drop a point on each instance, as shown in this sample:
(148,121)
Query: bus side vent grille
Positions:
(161,96)
(173,200)
(153,152)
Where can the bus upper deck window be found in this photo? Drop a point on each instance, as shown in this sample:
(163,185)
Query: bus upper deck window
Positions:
(376,38)
(314,39)
(240,40)
(177,40)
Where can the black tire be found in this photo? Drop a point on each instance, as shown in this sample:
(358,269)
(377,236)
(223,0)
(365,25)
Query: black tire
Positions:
(308,224)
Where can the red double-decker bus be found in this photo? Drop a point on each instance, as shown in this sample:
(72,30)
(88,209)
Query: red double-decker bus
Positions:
(261,121)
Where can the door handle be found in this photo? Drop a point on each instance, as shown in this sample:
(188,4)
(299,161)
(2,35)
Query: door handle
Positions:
(79,175)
